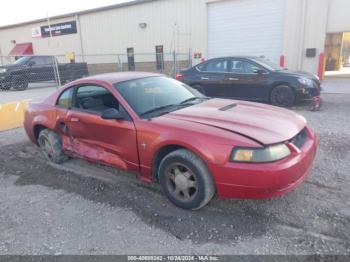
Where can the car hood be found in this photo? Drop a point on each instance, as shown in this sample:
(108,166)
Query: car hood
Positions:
(262,123)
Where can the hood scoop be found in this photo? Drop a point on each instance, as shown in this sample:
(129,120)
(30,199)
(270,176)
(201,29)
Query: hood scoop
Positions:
(228,107)
(263,123)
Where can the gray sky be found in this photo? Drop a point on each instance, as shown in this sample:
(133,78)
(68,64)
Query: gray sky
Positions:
(16,11)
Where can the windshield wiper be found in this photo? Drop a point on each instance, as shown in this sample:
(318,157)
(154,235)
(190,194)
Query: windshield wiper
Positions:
(189,100)
(192,99)
(183,103)
(156,109)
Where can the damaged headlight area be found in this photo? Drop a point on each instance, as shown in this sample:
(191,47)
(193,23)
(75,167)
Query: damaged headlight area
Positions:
(260,155)
(305,81)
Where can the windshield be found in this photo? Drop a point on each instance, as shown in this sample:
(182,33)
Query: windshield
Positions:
(268,64)
(149,95)
(23,60)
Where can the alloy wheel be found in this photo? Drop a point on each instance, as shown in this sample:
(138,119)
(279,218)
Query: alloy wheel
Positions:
(181,182)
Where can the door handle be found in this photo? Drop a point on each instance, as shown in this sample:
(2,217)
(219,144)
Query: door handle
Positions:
(74,119)
(233,79)
(204,78)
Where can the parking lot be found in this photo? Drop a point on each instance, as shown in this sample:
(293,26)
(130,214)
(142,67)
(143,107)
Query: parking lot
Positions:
(36,91)
(80,208)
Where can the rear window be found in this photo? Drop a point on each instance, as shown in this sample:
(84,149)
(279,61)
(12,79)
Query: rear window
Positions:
(214,66)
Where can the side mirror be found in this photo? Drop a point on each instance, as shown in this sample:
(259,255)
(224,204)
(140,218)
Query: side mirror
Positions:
(260,71)
(112,113)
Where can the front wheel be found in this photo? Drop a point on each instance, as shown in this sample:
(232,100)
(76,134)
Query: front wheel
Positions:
(5,87)
(19,83)
(186,180)
(282,96)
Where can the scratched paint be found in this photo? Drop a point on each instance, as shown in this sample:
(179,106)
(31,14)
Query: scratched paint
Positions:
(92,153)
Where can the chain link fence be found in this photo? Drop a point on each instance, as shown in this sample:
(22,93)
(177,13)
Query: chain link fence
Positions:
(19,73)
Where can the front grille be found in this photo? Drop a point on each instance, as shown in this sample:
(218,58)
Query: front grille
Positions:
(300,139)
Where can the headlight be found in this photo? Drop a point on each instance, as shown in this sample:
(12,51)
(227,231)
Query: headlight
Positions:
(3,70)
(263,155)
(305,81)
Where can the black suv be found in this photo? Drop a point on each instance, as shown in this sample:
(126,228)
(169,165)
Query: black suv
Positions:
(33,69)
(251,78)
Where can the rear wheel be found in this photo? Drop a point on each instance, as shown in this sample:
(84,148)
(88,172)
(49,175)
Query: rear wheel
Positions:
(185,180)
(199,88)
(50,144)
(19,83)
(282,96)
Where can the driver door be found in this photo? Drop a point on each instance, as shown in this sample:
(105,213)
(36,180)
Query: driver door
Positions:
(244,81)
(212,77)
(112,142)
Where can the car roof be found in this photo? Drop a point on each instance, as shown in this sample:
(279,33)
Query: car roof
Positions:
(238,57)
(114,78)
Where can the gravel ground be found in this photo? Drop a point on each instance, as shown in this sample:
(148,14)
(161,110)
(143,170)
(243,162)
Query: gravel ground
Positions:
(80,208)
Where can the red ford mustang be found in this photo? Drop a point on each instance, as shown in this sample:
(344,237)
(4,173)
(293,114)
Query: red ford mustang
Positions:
(169,133)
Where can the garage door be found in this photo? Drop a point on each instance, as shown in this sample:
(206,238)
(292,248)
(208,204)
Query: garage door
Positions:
(246,27)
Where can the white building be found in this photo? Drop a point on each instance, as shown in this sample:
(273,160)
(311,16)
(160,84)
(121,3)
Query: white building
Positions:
(298,30)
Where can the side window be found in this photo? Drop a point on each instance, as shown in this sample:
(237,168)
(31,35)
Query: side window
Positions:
(90,89)
(95,99)
(219,66)
(237,66)
(66,99)
(47,60)
(42,60)
(201,67)
(251,68)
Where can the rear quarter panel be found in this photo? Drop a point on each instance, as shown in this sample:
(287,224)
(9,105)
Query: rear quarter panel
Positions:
(38,115)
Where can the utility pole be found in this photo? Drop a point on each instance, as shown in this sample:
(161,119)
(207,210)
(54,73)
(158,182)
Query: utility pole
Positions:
(56,71)
(77,18)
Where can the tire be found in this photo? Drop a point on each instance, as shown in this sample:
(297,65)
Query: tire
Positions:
(19,83)
(50,144)
(282,96)
(185,180)
(5,87)
(199,88)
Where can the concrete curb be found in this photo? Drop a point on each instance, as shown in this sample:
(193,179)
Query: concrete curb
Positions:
(12,115)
